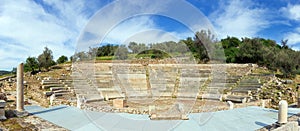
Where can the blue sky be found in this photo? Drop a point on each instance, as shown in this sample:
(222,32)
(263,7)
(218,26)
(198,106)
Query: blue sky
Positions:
(27,26)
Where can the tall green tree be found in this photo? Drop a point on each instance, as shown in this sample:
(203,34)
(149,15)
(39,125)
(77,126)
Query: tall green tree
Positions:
(250,51)
(201,45)
(62,59)
(230,46)
(31,64)
(121,53)
(46,59)
(133,46)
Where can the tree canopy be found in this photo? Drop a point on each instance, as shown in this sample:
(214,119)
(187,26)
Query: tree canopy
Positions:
(46,59)
(62,59)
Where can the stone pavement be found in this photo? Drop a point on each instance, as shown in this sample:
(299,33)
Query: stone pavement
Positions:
(249,118)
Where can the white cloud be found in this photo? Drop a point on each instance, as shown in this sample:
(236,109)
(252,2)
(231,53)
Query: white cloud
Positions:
(293,39)
(135,13)
(239,18)
(291,11)
(26,28)
(157,36)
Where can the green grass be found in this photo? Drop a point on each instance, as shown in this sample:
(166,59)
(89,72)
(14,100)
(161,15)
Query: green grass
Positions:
(105,58)
(153,54)
(6,75)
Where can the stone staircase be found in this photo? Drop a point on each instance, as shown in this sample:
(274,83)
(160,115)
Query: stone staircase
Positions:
(162,79)
(58,87)
(223,77)
(84,86)
(244,90)
(135,81)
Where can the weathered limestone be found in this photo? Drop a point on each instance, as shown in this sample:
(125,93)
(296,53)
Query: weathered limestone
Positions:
(282,112)
(119,103)
(236,99)
(212,96)
(20,88)
(2,110)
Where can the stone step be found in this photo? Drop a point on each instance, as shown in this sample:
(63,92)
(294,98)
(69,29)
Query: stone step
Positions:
(195,74)
(54,85)
(93,98)
(211,96)
(189,79)
(103,73)
(60,91)
(85,91)
(48,93)
(50,83)
(251,84)
(100,77)
(59,88)
(213,84)
(50,80)
(245,89)
(61,94)
(249,81)
(186,95)
(236,99)
(112,94)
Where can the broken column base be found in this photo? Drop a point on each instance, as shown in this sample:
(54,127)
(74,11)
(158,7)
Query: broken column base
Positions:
(21,113)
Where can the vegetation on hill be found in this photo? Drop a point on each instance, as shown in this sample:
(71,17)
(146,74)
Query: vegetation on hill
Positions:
(43,61)
(263,52)
(204,47)
(4,72)
(153,54)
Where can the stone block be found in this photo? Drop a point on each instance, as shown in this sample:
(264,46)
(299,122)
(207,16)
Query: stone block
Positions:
(119,103)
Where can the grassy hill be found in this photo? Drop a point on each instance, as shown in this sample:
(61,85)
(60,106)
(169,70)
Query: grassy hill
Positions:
(2,72)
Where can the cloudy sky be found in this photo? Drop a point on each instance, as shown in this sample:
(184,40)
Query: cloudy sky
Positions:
(27,26)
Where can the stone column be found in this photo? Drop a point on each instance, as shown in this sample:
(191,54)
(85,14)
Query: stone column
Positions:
(282,112)
(20,88)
